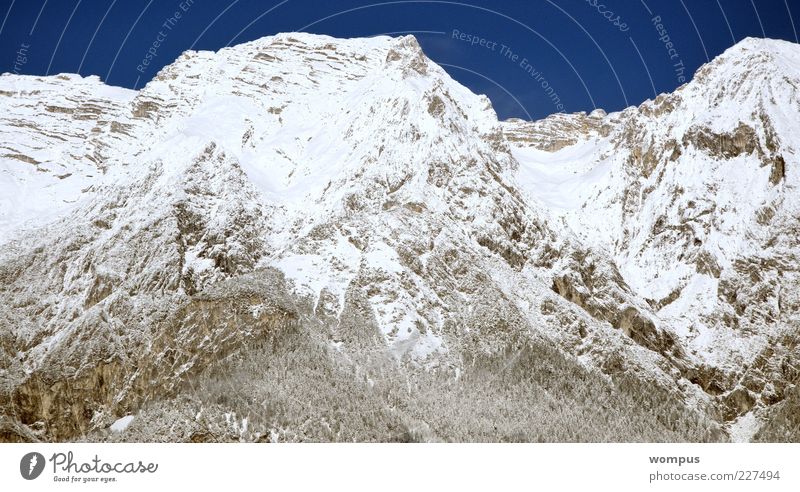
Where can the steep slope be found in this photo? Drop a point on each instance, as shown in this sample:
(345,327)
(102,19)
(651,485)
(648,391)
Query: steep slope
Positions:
(56,133)
(695,195)
(342,211)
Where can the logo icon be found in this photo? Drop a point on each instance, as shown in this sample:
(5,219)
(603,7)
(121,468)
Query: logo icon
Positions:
(31,466)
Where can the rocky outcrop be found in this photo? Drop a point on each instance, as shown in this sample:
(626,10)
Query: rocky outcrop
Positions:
(68,396)
(594,284)
(556,131)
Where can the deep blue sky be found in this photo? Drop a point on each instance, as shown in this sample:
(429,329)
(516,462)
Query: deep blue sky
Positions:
(585,59)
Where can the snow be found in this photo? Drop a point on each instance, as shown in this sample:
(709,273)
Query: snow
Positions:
(311,273)
(564,179)
(381,256)
(121,424)
(35,194)
(744,428)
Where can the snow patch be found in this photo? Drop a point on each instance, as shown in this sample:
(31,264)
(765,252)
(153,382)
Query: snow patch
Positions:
(744,428)
(120,425)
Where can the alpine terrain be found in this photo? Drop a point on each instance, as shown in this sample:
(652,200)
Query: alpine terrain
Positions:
(304,238)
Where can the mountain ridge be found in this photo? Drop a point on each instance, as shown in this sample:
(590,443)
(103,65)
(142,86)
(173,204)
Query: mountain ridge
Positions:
(407,232)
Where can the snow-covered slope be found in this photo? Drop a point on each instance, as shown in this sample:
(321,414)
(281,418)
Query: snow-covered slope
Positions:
(695,194)
(302,180)
(55,132)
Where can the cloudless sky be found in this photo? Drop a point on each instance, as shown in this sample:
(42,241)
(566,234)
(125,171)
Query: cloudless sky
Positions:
(573,55)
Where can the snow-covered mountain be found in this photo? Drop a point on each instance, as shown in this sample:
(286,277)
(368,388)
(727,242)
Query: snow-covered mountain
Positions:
(276,240)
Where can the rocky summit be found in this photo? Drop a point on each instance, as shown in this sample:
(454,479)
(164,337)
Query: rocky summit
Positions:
(303,238)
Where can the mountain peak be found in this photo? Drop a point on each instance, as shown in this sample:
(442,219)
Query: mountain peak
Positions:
(760,57)
(752,43)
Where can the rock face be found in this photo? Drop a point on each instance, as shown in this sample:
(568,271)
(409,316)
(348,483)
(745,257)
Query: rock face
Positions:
(306,219)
